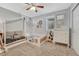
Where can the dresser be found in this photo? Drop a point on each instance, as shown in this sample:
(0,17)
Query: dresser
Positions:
(61,36)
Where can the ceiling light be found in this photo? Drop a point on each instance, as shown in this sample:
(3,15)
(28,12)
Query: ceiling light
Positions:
(33,8)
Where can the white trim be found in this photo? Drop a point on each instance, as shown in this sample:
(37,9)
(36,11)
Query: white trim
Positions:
(15,44)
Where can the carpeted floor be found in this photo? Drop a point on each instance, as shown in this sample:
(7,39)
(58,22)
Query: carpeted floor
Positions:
(47,49)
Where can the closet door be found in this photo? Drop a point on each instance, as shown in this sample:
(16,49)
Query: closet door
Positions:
(75,34)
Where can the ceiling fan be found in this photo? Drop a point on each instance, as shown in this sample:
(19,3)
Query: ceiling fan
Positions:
(34,7)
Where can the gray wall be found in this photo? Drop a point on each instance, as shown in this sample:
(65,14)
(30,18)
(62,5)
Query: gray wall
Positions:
(6,15)
(15,25)
(74,18)
(27,25)
(42,30)
(45,16)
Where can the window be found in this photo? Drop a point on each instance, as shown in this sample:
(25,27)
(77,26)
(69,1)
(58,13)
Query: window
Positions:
(59,21)
(51,23)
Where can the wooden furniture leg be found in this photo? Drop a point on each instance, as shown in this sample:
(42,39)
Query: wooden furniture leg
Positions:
(1,42)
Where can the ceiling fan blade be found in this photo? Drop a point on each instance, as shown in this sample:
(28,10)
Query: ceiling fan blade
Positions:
(40,6)
(28,8)
(28,3)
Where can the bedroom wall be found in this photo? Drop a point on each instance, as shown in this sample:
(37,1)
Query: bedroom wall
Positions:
(28,25)
(11,16)
(45,16)
(8,14)
(15,25)
(40,30)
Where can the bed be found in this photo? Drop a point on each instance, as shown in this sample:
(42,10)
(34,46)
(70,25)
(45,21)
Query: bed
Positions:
(14,36)
(37,40)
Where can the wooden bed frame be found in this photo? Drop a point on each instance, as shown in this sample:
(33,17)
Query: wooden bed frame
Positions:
(38,40)
(1,40)
(1,43)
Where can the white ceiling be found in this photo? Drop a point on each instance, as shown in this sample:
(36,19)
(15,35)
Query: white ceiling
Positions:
(48,7)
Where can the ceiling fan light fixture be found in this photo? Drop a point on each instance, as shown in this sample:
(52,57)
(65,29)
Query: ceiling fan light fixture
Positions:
(33,8)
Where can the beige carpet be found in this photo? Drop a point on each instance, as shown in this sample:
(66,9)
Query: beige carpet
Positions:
(47,49)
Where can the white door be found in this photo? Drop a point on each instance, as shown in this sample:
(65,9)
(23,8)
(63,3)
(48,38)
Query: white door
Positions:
(75,34)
